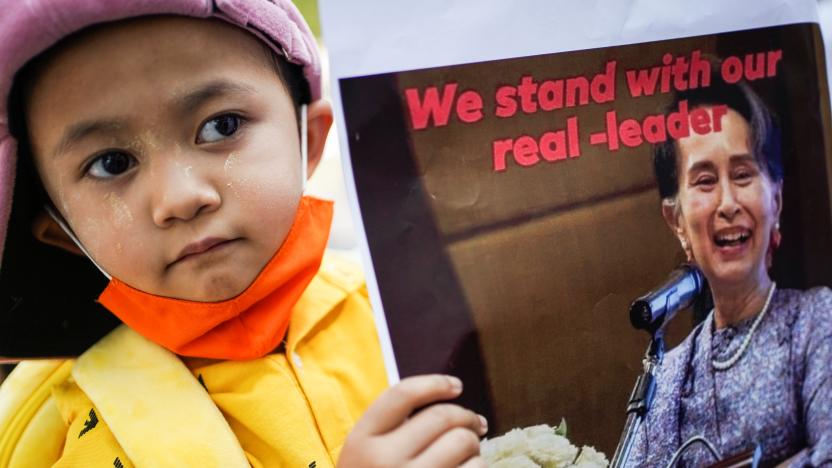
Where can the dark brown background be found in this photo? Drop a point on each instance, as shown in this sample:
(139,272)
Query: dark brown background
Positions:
(520,281)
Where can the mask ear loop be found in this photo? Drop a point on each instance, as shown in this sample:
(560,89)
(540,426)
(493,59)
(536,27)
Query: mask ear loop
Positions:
(50,210)
(304,147)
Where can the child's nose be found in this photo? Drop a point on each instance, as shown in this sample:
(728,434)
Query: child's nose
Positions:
(181,194)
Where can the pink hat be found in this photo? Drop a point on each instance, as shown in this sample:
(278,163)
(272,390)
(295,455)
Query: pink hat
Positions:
(28,28)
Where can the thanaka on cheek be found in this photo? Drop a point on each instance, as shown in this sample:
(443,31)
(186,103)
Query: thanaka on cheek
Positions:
(120,213)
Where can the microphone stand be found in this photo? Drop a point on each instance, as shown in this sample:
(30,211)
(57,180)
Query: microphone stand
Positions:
(641,399)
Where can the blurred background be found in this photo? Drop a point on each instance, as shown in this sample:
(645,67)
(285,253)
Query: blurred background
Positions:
(825,12)
(328,180)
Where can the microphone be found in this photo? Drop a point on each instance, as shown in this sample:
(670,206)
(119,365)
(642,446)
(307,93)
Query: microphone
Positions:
(655,309)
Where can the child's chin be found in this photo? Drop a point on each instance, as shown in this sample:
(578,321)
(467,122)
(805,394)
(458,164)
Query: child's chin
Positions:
(215,288)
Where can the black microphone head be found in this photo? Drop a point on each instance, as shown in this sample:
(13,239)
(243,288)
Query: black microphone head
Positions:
(641,315)
(653,310)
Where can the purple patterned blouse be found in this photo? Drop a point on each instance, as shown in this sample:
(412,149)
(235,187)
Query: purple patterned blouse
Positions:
(779,393)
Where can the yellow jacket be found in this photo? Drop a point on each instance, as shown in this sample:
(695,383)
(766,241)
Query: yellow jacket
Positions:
(128,402)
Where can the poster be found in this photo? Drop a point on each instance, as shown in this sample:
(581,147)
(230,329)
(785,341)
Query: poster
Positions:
(500,158)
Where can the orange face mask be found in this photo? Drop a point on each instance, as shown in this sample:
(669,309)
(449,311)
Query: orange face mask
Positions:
(247,326)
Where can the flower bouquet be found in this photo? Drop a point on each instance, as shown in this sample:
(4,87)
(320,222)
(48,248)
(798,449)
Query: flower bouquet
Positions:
(539,446)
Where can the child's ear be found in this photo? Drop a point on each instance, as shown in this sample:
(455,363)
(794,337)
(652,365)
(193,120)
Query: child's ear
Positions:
(318,121)
(46,230)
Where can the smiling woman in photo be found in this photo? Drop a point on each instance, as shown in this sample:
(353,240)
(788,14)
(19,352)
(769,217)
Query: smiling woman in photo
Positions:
(758,369)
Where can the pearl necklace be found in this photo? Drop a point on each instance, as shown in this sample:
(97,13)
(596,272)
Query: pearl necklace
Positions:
(723,365)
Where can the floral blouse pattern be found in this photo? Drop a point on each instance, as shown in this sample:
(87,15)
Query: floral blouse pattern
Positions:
(778,394)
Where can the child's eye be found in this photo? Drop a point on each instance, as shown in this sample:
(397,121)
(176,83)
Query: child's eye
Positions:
(110,164)
(219,128)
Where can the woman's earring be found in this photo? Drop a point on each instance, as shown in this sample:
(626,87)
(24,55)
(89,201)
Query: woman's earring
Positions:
(776,236)
(773,243)
(685,248)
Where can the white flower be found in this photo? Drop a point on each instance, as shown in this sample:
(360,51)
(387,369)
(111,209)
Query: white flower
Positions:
(591,458)
(548,449)
(535,447)
(513,442)
(520,461)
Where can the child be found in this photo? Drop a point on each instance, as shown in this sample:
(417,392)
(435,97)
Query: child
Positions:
(171,140)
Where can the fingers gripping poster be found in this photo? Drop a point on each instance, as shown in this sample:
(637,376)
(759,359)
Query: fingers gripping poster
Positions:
(524,172)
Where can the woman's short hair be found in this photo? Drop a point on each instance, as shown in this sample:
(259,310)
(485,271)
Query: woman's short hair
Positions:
(765,132)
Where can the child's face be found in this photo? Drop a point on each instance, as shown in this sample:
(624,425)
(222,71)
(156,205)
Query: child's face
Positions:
(171,147)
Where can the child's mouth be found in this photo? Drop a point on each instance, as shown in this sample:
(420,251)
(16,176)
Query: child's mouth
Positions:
(200,247)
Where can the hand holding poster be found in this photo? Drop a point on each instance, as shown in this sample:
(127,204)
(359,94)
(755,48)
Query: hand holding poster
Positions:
(523,174)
